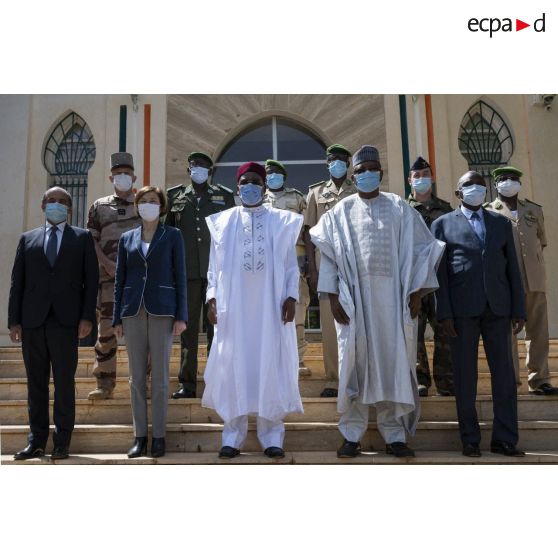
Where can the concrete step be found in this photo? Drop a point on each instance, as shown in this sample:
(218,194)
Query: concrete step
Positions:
(537,436)
(294,458)
(16,387)
(119,411)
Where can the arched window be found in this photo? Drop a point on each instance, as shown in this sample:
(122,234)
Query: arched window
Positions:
(299,149)
(485,141)
(68,156)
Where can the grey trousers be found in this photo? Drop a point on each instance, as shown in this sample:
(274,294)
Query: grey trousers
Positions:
(149,335)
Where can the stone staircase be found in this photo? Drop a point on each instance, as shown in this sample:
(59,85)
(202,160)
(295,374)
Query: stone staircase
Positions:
(103,431)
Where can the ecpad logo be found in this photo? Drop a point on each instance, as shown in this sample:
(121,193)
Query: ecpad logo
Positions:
(494,25)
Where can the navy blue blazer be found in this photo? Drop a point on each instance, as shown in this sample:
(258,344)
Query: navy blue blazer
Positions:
(471,277)
(159,277)
(69,287)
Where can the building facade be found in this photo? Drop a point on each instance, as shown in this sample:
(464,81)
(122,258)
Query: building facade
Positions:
(66,140)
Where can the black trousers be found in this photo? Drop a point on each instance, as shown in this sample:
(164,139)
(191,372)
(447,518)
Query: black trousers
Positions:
(190,338)
(496,337)
(56,346)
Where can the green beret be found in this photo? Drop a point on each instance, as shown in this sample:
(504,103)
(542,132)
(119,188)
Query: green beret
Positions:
(276,164)
(200,155)
(505,170)
(338,148)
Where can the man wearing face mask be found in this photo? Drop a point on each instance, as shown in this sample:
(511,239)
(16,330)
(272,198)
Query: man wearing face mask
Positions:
(188,207)
(252,291)
(430,207)
(51,306)
(530,239)
(378,260)
(108,219)
(480,294)
(280,197)
(321,198)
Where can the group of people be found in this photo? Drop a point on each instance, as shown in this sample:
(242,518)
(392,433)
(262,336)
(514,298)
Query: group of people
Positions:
(154,264)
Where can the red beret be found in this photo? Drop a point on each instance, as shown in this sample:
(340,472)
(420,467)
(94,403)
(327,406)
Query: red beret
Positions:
(250,167)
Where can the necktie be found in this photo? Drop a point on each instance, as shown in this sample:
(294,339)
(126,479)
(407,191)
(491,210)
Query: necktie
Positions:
(51,251)
(477,225)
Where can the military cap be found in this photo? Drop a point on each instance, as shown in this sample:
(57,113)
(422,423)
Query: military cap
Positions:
(121,159)
(505,170)
(365,153)
(338,148)
(276,164)
(200,155)
(421,164)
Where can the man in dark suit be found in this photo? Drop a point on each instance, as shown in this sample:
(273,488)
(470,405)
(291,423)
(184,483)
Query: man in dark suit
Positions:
(52,305)
(480,294)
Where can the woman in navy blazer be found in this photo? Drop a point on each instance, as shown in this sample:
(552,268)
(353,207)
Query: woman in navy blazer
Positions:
(149,308)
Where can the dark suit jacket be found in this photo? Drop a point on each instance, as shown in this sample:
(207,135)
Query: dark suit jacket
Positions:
(159,277)
(471,277)
(70,287)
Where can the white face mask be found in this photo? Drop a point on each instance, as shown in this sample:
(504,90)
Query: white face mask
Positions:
(474,195)
(149,211)
(122,182)
(199,174)
(508,188)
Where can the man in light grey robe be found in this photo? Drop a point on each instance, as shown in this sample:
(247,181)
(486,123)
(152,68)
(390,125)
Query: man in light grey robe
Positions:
(378,260)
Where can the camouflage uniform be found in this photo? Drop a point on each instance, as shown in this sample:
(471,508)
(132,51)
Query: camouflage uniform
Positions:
(322,196)
(443,373)
(293,200)
(188,214)
(108,218)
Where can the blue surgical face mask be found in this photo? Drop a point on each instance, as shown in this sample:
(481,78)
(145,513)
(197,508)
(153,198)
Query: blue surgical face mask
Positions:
(368,181)
(251,194)
(56,212)
(199,174)
(337,168)
(421,185)
(275,181)
(474,195)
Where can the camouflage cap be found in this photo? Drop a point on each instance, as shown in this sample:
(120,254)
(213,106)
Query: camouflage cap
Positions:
(496,173)
(200,155)
(275,163)
(121,159)
(338,148)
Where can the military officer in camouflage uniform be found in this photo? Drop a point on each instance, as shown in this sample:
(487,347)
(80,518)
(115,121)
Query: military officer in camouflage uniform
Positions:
(430,207)
(188,207)
(290,199)
(529,239)
(108,218)
(321,197)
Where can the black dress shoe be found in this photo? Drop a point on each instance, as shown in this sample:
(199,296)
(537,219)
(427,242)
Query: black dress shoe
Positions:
(184,393)
(139,448)
(471,450)
(399,449)
(349,449)
(157,447)
(329,392)
(506,448)
(228,452)
(545,389)
(273,451)
(422,391)
(60,452)
(29,452)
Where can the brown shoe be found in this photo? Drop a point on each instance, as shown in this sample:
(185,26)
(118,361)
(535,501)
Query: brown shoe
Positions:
(100,393)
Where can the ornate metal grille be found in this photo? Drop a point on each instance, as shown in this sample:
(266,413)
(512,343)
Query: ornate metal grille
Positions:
(68,156)
(485,141)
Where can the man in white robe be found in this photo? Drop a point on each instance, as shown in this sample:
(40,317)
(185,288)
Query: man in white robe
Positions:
(378,260)
(253,280)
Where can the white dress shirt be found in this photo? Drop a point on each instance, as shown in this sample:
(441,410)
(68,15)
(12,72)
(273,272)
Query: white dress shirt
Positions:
(59,233)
